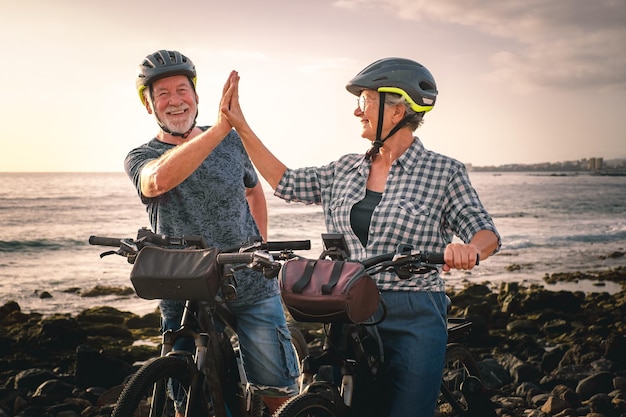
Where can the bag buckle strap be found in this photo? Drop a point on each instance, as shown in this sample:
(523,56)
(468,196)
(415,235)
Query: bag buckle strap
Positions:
(334,278)
(304,280)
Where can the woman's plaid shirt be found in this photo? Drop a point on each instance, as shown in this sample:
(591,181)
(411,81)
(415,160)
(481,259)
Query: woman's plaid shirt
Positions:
(428,198)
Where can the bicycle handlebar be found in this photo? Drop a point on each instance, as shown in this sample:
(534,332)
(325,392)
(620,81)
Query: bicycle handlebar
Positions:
(105,241)
(396,259)
(240,258)
(146,237)
(406,263)
(288,245)
(255,253)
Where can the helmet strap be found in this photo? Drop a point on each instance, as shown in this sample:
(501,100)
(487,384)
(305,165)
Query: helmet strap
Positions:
(180,135)
(378,143)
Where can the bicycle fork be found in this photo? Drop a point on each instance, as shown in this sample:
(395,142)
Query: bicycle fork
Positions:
(243,380)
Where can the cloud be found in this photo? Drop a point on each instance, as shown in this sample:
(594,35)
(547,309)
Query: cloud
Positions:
(569,44)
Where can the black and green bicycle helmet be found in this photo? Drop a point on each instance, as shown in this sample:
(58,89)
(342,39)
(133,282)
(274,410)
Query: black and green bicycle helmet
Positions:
(401,76)
(163,64)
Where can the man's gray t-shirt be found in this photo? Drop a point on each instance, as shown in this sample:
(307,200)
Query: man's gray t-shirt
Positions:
(211,202)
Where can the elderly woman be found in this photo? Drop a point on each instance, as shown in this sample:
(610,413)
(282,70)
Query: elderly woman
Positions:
(398,192)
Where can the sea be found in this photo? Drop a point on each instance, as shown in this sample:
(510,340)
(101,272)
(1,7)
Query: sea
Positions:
(549,223)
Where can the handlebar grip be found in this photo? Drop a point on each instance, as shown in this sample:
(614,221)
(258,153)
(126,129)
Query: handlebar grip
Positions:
(437,258)
(235,258)
(104,241)
(290,244)
(433,258)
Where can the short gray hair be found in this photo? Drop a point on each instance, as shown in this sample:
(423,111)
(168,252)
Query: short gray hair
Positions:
(415,119)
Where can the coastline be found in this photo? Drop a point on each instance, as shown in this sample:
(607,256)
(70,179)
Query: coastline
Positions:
(539,351)
(73,300)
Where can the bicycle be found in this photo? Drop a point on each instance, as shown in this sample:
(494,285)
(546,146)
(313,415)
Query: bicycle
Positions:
(211,381)
(343,380)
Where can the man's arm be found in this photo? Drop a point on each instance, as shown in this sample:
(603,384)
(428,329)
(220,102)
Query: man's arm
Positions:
(161,175)
(258,207)
(173,167)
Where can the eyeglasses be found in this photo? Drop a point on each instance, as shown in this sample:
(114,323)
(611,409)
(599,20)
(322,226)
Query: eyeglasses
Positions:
(361,101)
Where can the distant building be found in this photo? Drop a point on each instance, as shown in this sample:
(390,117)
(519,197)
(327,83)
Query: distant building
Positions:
(594,164)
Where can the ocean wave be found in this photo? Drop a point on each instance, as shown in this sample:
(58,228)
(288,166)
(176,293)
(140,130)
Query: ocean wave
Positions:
(39,245)
(529,242)
(614,236)
(512,244)
(512,215)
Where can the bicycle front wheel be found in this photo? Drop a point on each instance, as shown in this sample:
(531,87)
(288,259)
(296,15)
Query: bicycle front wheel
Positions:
(307,405)
(460,365)
(299,343)
(146,393)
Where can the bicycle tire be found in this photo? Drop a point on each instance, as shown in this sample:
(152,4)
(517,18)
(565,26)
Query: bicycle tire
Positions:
(460,364)
(145,393)
(299,343)
(307,405)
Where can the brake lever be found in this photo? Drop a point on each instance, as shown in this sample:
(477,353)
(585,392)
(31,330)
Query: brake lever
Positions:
(272,270)
(128,248)
(405,265)
(264,261)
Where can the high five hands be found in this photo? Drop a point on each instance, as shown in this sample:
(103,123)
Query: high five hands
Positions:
(229,105)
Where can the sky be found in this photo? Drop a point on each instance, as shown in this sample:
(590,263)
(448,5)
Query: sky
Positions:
(520,81)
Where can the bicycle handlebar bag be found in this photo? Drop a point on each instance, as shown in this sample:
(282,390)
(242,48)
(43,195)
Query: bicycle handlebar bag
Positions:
(325,291)
(176,274)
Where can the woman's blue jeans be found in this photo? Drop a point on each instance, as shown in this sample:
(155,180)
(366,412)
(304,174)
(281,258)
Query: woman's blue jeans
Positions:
(414,337)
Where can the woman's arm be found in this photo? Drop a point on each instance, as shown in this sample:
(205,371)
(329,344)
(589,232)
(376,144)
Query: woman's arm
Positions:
(270,167)
(464,256)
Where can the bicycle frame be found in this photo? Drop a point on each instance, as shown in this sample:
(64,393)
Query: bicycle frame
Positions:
(198,322)
(337,381)
(205,371)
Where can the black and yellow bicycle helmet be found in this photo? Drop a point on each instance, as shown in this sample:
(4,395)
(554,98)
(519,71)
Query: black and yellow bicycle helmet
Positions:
(401,76)
(405,77)
(163,64)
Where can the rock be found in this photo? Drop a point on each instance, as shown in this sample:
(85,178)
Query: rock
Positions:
(526,372)
(540,353)
(615,348)
(28,380)
(54,391)
(601,404)
(522,326)
(601,382)
(109,397)
(479,404)
(96,369)
(551,358)
(60,333)
(100,290)
(494,375)
(554,405)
